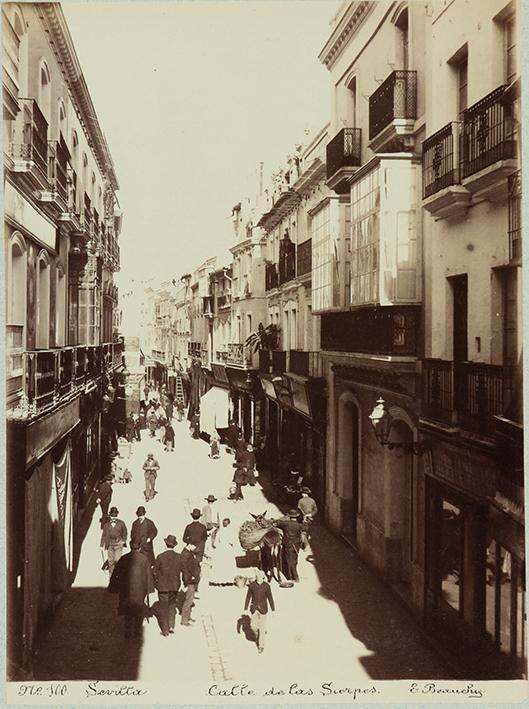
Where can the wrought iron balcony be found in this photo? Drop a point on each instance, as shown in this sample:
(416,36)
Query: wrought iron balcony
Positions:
(239,355)
(305,364)
(466,394)
(224,300)
(487,133)
(271,276)
(50,376)
(515,217)
(304,258)
(344,157)
(440,159)
(394,101)
(221,356)
(30,142)
(443,194)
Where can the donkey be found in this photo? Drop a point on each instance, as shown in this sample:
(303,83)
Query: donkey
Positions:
(270,546)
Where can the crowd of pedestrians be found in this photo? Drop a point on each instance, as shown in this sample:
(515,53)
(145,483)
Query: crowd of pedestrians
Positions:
(209,542)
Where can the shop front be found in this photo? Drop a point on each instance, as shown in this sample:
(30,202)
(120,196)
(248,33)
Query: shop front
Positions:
(475,561)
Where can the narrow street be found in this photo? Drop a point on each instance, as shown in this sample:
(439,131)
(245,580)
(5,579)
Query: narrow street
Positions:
(338,605)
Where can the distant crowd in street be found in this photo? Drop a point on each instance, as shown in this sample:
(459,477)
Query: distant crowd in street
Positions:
(210,542)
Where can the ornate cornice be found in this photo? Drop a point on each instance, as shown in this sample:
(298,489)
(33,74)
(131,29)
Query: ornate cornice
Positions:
(348,25)
(61,42)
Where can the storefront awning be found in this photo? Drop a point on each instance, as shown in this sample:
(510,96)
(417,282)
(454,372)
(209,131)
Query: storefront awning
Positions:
(214,408)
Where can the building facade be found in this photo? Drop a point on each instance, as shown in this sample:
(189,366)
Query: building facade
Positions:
(420,323)
(62,224)
(291,374)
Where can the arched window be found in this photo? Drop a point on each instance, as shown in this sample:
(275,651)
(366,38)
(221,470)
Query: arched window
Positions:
(16,304)
(350,118)
(402,41)
(84,175)
(60,307)
(93,187)
(19,26)
(43,301)
(61,120)
(44,95)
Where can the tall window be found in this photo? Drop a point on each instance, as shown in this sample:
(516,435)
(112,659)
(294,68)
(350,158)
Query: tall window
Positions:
(402,54)
(22,37)
(510,317)
(16,304)
(45,91)
(462,85)
(60,307)
(43,302)
(509,38)
(294,330)
(61,123)
(365,239)
(325,262)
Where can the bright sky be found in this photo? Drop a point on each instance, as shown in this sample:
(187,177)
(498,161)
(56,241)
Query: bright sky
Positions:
(191,97)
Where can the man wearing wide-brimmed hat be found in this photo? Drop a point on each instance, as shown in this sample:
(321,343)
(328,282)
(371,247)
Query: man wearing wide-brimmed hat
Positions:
(167,575)
(307,505)
(196,533)
(113,538)
(292,539)
(210,517)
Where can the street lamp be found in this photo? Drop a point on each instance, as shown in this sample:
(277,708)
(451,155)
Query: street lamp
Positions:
(382,421)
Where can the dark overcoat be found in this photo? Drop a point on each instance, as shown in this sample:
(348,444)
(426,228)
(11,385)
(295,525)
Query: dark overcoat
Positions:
(132,579)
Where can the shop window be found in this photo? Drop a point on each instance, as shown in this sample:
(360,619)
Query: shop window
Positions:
(505,617)
(451,536)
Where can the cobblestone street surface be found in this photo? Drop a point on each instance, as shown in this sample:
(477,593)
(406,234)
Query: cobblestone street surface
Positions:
(339,609)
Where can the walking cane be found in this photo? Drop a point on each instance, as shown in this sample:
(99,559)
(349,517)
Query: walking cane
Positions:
(149,607)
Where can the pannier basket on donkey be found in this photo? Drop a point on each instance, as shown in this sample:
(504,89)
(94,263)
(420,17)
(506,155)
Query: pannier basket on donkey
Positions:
(261,534)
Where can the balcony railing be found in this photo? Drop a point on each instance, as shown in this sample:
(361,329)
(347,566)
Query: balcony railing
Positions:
(306,364)
(51,375)
(467,394)
(372,330)
(441,159)
(271,276)
(221,356)
(487,133)
(344,150)
(515,216)
(239,354)
(304,258)
(31,135)
(58,168)
(395,98)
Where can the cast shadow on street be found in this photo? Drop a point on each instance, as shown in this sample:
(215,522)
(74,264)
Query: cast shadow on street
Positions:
(395,646)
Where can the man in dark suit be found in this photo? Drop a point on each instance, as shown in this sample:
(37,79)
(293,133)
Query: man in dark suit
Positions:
(190,577)
(292,538)
(259,597)
(196,533)
(167,574)
(104,498)
(144,531)
(132,579)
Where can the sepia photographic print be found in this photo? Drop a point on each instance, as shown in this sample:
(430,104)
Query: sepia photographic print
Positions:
(264,407)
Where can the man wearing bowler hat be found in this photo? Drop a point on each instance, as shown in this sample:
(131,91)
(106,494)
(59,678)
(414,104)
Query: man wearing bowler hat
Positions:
(307,505)
(113,538)
(292,538)
(143,531)
(196,533)
(167,575)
